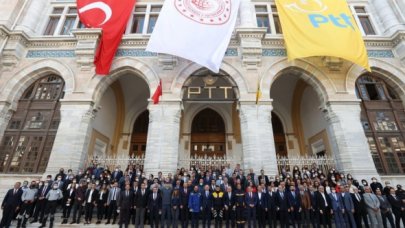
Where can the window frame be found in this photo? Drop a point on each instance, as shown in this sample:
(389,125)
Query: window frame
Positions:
(270,16)
(148,13)
(62,19)
(367,14)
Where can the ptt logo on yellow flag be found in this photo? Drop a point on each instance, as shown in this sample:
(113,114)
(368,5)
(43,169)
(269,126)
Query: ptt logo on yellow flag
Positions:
(321,28)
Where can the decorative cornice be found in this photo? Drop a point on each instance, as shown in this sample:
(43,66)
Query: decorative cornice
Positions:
(50,54)
(4,31)
(398,38)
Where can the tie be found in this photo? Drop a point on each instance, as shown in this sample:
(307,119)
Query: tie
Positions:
(154,196)
(143,192)
(43,192)
(114,194)
(185,191)
(127,194)
(206,194)
(358,197)
(15,191)
(282,195)
(250,195)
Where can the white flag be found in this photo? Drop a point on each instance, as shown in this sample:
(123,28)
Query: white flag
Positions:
(197,30)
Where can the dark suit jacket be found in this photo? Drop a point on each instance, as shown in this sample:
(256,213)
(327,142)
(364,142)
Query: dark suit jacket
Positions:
(11,199)
(336,204)
(271,200)
(103,199)
(262,202)
(359,207)
(250,200)
(294,201)
(282,202)
(93,196)
(229,202)
(154,205)
(396,204)
(184,197)
(141,201)
(125,201)
(321,201)
(206,202)
(46,191)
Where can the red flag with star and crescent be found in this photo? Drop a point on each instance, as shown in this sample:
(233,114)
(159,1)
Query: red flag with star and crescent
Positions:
(112,17)
(158,93)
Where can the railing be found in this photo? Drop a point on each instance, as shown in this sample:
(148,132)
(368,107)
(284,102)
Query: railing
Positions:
(207,162)
(111,162)
(323,163)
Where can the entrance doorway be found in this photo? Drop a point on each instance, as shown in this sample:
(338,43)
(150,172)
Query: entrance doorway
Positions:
(139,135)
(279,136)
(208,134)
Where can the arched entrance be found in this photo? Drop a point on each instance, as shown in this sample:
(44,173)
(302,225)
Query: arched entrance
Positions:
(139,135)
(210,124)
(383,120)
(279,136)
(208,134)
(305,127)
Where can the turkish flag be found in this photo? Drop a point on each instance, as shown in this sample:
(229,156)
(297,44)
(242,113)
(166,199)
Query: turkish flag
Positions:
(112,17)
(157,93)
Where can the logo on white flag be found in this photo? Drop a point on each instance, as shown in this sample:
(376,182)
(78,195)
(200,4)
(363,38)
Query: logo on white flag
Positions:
(209,12)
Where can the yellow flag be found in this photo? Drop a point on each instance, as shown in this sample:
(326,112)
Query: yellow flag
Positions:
(258,92)
(321,28)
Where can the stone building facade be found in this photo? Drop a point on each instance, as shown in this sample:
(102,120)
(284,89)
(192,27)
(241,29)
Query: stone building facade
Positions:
(55,112)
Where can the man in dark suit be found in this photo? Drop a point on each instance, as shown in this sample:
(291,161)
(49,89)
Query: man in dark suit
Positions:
(271,207)
(11,204)
(264,177)
(229,208)
(184,212)
(124,205)
(41,202)
(283,206)
(251,202)
(207,206)
(360,210)
(313,213)
(323,207)
(141,201)
(154,207)
(91,199)
(398,207)
(349,207)
(134,189)
(261,207)
(294,200)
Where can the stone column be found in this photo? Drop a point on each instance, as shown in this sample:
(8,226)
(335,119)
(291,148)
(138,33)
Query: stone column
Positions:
(387,15)
(5,116)
(247,14)
(349,144)
(71,143)
(257,137)
(162,149)
(34,12)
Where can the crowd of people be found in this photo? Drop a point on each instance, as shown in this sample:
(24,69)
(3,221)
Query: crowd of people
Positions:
(228,196)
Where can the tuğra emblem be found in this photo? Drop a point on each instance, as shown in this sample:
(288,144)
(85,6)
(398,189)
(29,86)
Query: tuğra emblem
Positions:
(209,12)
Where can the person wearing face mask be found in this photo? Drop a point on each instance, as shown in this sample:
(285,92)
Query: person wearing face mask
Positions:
(28,198)
(61,174)
(387,188)
(44,188)
(53,196)
(398,207)
(337,207)
(375,184)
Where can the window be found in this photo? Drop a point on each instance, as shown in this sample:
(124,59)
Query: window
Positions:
(382,115)
(62,20)
(267,17)
(363,19)
(28,140)
(144,19)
